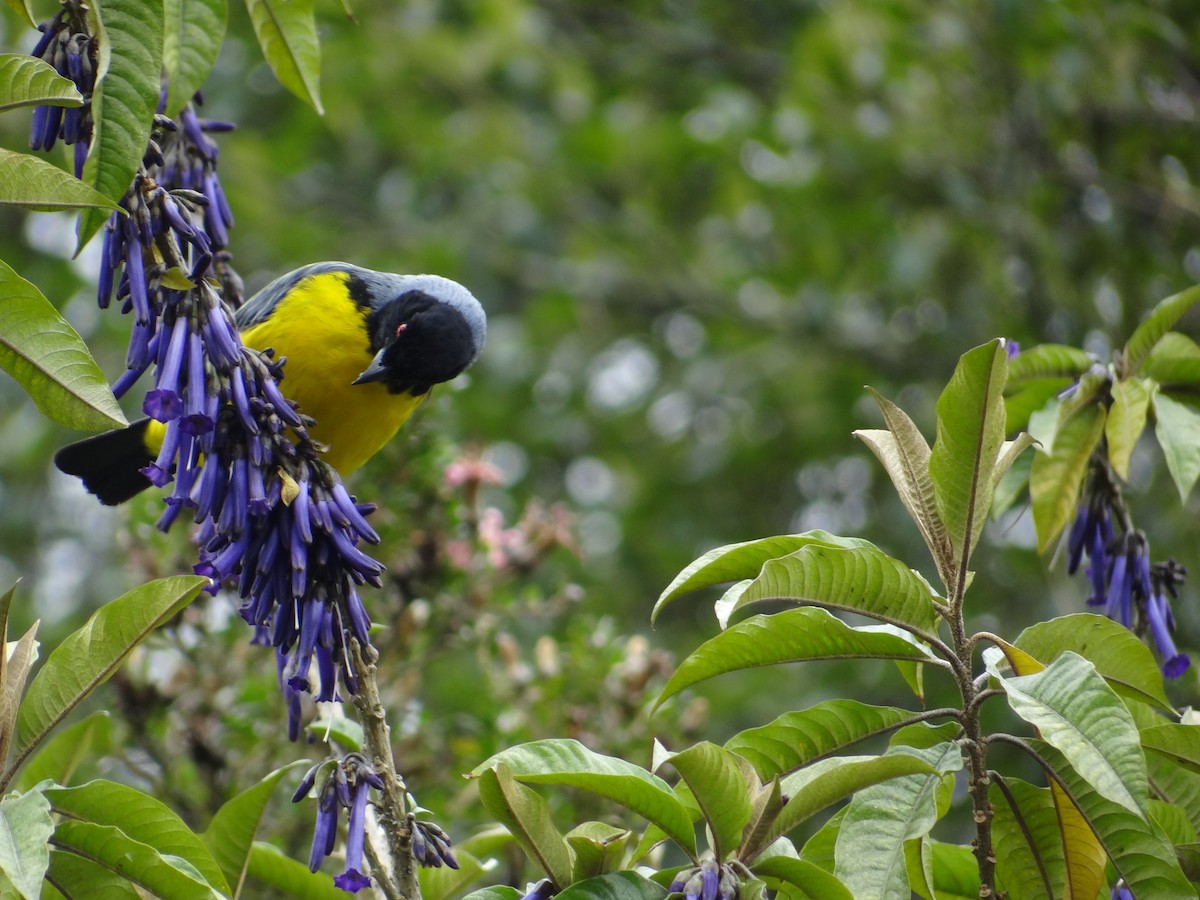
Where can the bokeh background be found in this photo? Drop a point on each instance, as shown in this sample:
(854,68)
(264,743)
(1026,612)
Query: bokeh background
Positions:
(699,229)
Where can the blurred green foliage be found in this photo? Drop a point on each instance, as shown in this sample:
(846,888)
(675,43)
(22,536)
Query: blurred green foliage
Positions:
(699,228)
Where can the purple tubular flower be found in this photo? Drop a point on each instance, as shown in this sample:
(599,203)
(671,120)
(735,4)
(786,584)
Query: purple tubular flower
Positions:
(1119,605)
(353,880)
(325,832)
(353,517)
(710,874)
(1158,616)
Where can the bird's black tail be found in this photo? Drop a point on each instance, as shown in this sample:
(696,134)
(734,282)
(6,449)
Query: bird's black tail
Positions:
(109,463)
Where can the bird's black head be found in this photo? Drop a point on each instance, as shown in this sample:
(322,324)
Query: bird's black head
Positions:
(419,340)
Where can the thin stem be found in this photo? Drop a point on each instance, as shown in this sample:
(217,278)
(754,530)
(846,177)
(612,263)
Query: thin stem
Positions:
(1019,817)
(391,808)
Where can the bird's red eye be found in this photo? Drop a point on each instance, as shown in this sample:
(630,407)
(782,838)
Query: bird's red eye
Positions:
(403,327)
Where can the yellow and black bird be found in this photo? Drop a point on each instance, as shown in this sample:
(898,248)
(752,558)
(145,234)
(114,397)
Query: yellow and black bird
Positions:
(363,351)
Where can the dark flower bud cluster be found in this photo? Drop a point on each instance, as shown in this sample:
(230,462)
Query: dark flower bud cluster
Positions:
(274,520)
(1122,579)
(67,45)
(431,845)
(708,881)
(346,786)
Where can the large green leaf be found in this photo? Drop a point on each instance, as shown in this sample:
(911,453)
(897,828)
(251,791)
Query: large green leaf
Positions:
(143,864)
(291,878)
(949,871)
(40,349)
(139,817)
(1160,320)
(1178,743)
(287,33)
(568,762)
(23,9)
(599,848)
(59,757)
(794,635)
(128,83)
(1027,841)
(1125,422)
(1177,427)
(745,560)
(1077,712)
(1048,361)
(813,882)
(73,876)
(195,30)
(881,819)
(87,658)
(29,182)
(720,789)
(230,835)
(25,829)
(1138,850)
(524,813)
(27,81)
(822,784)
(904,454)
(795,739)
(1174,362)
(862,580)
(616,886)
(1123,660)
(970,433)
(1058,472)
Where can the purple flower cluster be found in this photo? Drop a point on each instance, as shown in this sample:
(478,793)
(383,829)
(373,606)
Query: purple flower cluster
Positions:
(67,45)
(347,786)
(708,881)
(1132,591)
(431,845)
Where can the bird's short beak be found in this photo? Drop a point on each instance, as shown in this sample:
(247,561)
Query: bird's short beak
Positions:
(374,372)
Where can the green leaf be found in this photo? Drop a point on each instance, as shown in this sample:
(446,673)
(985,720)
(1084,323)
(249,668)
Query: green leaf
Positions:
(25,829)
(1177,426)
(819,848)
(794,635)
(290,878)
(617,886)
(24,10)
(1178,743)
(880,819)
(1173,821)
(195,30)
(50,361)
(1174,361)
(599,848)
(813,882)
(60,756)
(970,432)
(1140,853)
(29,182)
(87,658)
(1058,472)
(570,763)
(720,789)
(345,731)
(523,812)
(496,892)
(141,818)
(1118,655)
(1048,361)
(1021,405)
(745,560)
(74,876)
(795,739)
(954,868)
(1077,712)
(230,835)
(287,33)
(862,580)
(14,670)
(827,781)
(1125,422)
(28,81)
(1160,320)
(128,83)
(141,863)
(1027,841)
(904,453)
(445,883)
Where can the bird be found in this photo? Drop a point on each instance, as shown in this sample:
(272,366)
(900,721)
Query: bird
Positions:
(363,349)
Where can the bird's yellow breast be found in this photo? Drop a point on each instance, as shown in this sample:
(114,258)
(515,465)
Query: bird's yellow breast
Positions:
(323,334)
